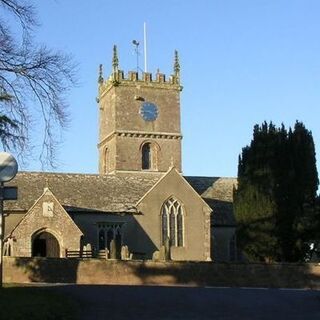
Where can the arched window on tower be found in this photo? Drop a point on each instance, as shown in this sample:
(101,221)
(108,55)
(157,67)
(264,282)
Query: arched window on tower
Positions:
(172,222)
(146,153)
(149,155)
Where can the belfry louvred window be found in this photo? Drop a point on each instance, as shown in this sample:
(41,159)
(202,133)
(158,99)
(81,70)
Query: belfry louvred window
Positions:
(172,220)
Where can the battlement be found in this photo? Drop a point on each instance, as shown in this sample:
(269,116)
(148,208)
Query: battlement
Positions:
(134,78)
(118,77)
(144,77)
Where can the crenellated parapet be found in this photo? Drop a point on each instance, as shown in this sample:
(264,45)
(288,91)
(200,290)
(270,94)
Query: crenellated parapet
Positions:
(134,78)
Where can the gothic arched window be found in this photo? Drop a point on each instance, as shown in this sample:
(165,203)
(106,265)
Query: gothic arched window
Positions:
(172,222)
(146,154)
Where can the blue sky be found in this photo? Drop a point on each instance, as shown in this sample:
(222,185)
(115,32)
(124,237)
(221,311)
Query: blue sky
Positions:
(242,62)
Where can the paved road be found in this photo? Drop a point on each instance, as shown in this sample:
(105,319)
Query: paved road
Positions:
(142,303)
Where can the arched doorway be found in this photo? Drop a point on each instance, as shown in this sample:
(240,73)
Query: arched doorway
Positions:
(45,244)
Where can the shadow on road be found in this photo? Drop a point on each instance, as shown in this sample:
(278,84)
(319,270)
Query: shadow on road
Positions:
(148,302)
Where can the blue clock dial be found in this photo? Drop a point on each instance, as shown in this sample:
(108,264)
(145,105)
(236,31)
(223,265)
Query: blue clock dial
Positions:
(149,111)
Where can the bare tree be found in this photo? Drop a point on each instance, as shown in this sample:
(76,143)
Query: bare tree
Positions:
(33,84)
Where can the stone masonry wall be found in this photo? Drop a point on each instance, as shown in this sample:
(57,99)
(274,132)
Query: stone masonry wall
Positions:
(196,219)
(94,271)
(58,223)
(123,130)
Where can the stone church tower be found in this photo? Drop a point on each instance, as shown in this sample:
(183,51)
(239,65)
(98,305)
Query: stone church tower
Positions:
(139,121)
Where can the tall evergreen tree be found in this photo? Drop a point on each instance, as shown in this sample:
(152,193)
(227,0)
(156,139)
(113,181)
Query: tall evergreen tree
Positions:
(275,200)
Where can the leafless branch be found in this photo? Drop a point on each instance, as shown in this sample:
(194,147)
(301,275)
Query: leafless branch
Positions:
(33,84)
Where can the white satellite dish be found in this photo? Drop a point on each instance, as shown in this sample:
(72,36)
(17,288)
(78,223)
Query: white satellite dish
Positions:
(8,167)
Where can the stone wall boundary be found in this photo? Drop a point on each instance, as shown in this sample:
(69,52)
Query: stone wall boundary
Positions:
(111,272)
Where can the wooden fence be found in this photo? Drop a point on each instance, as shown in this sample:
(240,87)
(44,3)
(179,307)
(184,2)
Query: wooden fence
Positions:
(80,254)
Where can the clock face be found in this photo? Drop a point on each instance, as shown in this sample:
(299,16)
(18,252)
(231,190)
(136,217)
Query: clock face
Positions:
(149,111)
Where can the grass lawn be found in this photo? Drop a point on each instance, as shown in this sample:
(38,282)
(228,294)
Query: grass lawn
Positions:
(17,302)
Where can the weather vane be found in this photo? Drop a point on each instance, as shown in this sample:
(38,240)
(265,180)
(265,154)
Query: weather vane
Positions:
(137,52)
(136,49)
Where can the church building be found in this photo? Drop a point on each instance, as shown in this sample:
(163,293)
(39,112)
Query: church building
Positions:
(140,199)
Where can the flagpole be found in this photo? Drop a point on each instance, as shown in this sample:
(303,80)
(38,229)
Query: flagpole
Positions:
(145,46)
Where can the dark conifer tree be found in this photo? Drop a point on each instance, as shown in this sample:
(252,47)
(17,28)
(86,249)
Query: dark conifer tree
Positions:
(275,199)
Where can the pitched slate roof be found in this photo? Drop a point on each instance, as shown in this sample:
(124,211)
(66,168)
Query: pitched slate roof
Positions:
(218,193)
(83,192)
(115,193)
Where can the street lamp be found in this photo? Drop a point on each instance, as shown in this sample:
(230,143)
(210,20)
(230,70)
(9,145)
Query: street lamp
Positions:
(8,170)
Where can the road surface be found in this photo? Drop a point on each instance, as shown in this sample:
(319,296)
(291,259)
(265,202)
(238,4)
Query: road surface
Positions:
(148,303)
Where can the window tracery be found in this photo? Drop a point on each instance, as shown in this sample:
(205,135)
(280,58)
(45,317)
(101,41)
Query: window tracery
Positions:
(108,232)
(172,219)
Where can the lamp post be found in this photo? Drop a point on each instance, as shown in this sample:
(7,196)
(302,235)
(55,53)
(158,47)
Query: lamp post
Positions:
(8,170)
